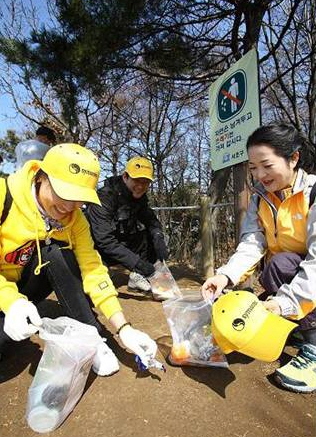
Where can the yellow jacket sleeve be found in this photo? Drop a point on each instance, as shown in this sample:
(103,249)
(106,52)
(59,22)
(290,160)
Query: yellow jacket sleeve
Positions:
(9,293)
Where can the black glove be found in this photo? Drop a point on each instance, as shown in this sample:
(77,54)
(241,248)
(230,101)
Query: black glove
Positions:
(160,247)
(144,268)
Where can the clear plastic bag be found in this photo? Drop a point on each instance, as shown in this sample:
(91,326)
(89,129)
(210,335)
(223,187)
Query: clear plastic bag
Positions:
(62,372)
(163,284)
(29,149)
(189,320)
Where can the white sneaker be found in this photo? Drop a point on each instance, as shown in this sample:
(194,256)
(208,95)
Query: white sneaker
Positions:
(105,362)
(137,281)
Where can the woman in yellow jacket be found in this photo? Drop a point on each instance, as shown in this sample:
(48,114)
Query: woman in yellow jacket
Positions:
(46,245)
(280,226)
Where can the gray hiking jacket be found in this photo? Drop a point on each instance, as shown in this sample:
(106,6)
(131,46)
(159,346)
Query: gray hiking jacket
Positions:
(299,297)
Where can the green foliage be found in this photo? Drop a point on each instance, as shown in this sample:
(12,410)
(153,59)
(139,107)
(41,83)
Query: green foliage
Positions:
(7,147)
(93,39)
(96,37)
(15,51)
(173,54)
(186,194)
(8,144)
(96,43)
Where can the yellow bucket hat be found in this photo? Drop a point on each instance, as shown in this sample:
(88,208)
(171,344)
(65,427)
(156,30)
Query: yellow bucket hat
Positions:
(241,323)
(73,172)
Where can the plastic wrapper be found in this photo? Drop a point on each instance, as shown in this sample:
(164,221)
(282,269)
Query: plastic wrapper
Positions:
(163,284)
(29,149)
(152,363)
(189,320)
(62,372)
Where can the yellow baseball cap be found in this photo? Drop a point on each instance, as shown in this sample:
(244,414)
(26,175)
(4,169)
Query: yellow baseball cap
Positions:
(73,172)
(139,167)
(241,323)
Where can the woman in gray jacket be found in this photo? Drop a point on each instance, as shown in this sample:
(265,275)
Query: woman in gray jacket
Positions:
(280,228)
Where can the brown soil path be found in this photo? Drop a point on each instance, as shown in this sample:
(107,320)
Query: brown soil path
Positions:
(242,401)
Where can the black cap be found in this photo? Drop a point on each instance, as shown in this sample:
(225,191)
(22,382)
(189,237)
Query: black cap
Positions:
(49,133)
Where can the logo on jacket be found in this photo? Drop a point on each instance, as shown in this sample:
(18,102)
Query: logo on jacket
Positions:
(22,255)
(297,216)
(103,285)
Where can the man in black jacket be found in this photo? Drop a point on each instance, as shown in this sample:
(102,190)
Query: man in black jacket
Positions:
(125,230)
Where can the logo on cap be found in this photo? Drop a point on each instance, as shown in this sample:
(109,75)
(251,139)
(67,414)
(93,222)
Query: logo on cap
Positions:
(74,168)
(238,324)
(89,172)
(138,166)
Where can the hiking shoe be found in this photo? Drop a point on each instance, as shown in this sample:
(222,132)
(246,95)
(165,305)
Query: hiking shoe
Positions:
(105,362)
(138,282)
(300,373)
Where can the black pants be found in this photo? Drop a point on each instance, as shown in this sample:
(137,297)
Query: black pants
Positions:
(279,270)
(140,243)
(61,275)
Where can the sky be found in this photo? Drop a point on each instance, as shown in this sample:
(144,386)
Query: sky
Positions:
(9,118)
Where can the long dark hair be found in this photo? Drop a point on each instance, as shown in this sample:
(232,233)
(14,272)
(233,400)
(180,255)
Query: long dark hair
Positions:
(285,139)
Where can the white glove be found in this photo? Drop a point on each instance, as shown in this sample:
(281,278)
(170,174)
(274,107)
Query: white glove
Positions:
(139,343)
(16,323)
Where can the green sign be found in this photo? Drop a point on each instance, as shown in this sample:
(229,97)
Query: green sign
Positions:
(234,111)
(232,96)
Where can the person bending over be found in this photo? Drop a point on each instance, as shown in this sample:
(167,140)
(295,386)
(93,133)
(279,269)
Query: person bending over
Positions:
(124,228)
(46,246)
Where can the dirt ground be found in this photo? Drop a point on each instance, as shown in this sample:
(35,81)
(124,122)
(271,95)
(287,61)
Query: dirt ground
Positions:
(241,401)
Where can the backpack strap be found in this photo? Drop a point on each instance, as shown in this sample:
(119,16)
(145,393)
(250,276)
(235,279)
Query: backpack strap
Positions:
(6,204)
(312,195)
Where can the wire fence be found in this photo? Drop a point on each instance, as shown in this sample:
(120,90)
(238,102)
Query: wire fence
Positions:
(182,227)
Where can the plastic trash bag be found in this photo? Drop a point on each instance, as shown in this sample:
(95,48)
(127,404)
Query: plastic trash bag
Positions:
(62,372)
(163,284)
(189,320)
(29,149)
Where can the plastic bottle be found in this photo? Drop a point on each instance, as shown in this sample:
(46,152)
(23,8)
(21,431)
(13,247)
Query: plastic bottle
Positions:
(42,417)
